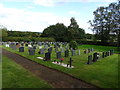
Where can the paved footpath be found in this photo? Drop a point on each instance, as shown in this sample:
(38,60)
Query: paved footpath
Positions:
(56,78)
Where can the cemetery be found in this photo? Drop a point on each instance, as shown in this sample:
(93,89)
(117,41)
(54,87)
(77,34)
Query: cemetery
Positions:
(89,60)
(50,44)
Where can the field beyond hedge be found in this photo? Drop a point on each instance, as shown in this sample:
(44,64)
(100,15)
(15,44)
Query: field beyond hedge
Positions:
(103,73)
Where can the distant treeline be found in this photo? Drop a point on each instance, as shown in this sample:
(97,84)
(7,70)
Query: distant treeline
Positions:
(22,36)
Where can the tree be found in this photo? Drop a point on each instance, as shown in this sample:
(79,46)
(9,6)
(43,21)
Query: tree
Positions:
(106,20)
(74,32)
(3,32)
(58,31)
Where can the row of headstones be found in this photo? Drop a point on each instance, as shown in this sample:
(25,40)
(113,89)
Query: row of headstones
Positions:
(96,56)
(36,43)
(88,50)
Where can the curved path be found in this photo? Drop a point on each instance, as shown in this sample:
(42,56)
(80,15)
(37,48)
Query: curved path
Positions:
(56,78)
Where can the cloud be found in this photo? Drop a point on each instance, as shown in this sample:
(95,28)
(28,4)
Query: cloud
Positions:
(49,3)
(73,12)
(24,20)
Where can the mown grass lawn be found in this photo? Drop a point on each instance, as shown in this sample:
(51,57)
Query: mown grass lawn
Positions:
(103,73)
(15,76)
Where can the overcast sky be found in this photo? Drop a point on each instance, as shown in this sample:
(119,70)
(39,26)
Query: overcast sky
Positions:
(35,15)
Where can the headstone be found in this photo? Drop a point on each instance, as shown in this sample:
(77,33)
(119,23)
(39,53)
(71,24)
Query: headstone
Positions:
(95,57)
(14,47)
(58,54)
(89,59)
(34,47)
(89,50)
(21,49)
(31,51)
(56,49)
(73,52)
(103,54)
(78,52)
(47,56)
(67,53)
(41,51)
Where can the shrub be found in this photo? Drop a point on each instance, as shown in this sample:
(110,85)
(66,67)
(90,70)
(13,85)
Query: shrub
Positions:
(73,44)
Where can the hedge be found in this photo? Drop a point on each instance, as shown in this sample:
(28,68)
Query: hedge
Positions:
(79,41)
(18,39)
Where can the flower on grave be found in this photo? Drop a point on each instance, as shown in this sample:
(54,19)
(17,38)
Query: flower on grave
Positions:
(62,59)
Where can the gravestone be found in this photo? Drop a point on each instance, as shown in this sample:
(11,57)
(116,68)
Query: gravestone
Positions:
(89,59)
(58,54)
(34,47)
(89,50)
(31,51)
(14,47)
(95,57)
(21,49)
(67,53)
(103,54)
(50,50)
(78,52)
(56,49)
(73,52)
(98,56)
(47,56)
(41,51)
(70,62)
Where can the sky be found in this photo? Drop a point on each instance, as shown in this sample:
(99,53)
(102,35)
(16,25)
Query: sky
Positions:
(36,15)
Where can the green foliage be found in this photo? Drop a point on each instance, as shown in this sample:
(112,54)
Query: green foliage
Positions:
(74,31)
(106,21)
(3,32)
(28,39)
(73,44)
(61,33)
(15,76)
(58,32)
(23,34)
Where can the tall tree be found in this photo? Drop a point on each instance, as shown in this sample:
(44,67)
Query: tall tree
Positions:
(74,32)
(106,21)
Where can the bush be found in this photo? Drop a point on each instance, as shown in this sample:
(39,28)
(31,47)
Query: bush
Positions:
(27,39)
(79,41)
(73,44)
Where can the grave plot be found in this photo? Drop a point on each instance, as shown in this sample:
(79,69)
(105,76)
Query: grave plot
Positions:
(85,66)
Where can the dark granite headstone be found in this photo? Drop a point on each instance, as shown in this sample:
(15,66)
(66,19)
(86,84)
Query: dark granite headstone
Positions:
(67,53)
(95,57)
(89,59)
(58,54)
(31,51)
(34,47)
(21,49)
(103,54)
(47,56)
(50,50)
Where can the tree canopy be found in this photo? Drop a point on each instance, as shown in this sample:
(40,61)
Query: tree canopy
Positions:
(62,33)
